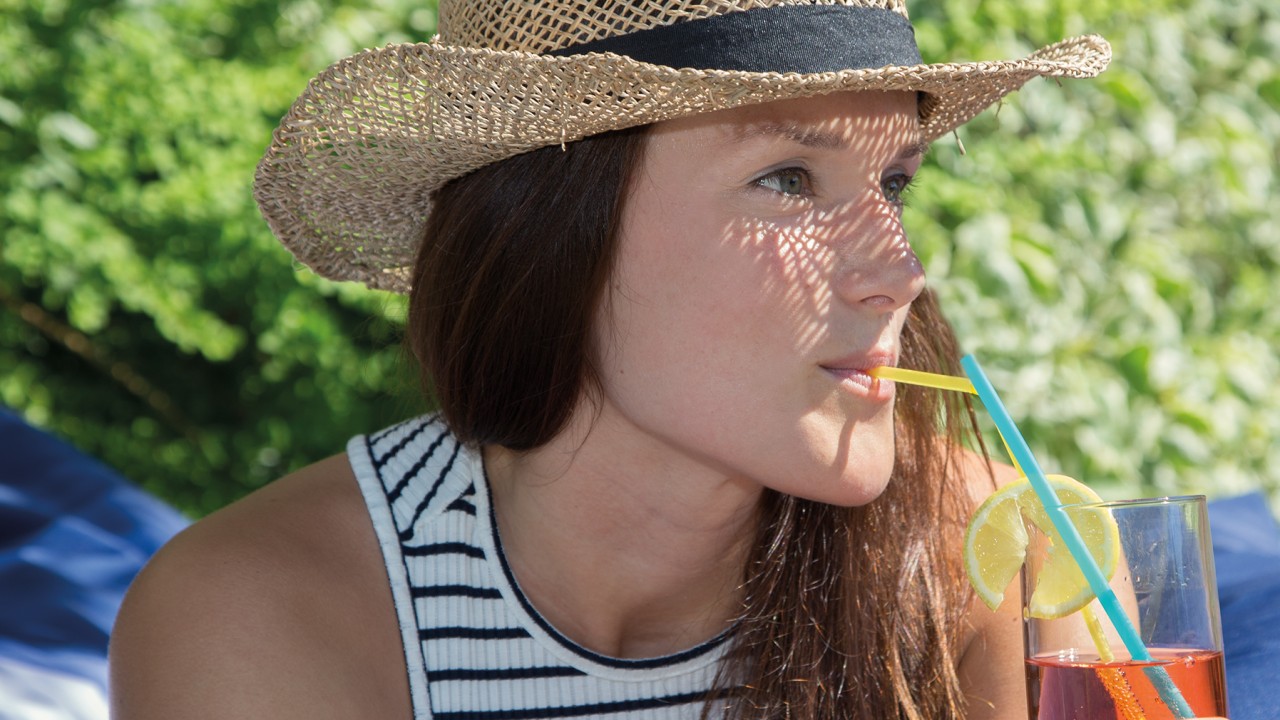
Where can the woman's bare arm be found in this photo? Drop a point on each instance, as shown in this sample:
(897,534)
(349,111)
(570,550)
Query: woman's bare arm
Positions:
(991,668)
(991,664)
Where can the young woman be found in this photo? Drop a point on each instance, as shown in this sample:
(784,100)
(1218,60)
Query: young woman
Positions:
(653,250)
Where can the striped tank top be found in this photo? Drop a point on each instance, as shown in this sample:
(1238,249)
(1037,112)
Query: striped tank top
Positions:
(473,644)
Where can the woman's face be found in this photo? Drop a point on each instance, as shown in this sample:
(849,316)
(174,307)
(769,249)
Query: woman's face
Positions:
(762,271)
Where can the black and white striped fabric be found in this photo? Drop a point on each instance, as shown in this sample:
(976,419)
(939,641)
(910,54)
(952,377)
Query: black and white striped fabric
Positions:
(474,646)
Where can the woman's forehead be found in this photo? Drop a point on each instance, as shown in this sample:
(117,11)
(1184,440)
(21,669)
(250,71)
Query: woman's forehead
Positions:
(830,122)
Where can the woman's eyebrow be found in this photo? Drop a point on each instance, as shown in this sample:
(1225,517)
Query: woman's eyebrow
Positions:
(813,137)
(914,150)
(799,134)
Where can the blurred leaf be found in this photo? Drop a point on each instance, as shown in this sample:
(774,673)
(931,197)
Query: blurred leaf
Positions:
(148,315)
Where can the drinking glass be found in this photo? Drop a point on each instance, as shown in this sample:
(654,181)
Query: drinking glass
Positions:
(1164,580)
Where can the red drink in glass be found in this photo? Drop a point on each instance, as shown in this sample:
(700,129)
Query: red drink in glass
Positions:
(1085,688)
(1163,603)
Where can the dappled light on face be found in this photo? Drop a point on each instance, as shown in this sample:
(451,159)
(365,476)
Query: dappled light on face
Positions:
(834,260)
(841,250)
(761,270)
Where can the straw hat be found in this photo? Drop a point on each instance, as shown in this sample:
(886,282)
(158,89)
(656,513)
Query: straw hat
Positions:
(346,181)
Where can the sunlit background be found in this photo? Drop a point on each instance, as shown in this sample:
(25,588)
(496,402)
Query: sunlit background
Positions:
(1107,248)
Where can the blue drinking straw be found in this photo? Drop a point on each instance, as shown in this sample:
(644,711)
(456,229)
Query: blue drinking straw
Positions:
(1159,677)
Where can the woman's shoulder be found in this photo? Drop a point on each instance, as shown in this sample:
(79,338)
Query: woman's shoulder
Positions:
(275,606)
(980,475)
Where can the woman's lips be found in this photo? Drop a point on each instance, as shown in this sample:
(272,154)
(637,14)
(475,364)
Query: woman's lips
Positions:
(857,379)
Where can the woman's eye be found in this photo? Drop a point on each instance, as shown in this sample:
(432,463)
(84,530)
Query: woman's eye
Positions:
(895,186)
(789,181)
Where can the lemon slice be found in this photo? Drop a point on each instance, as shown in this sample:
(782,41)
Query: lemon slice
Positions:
(996,540)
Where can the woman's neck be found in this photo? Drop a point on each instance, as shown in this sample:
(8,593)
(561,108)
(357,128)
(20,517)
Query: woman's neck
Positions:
(624,549)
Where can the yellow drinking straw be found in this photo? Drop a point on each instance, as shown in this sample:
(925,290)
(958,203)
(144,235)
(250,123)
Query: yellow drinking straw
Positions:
(927,379)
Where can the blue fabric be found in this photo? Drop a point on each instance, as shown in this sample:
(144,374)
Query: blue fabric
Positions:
(1246,550)
(73,534)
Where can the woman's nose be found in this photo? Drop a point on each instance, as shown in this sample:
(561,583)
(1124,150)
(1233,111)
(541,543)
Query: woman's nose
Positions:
(880,272)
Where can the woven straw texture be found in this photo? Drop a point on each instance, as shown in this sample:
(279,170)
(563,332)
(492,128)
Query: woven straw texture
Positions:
(537,27)
(346,181)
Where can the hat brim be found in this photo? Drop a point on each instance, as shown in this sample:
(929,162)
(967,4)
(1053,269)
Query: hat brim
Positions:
(346,181)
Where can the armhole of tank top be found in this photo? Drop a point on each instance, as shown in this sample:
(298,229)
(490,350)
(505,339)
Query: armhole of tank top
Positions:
(375,498)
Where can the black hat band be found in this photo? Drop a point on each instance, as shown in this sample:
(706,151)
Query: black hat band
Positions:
(783,38)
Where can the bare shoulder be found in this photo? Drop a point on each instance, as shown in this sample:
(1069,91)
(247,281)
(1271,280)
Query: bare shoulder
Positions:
(276,606)
(983,476)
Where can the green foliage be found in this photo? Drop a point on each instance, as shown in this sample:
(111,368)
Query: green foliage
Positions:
(148,314)
(1105,247)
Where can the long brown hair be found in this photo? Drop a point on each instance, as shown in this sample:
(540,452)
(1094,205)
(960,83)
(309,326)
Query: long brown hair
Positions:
(512,266)
(847,612)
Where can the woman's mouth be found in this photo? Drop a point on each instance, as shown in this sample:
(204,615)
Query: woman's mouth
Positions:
(858,381)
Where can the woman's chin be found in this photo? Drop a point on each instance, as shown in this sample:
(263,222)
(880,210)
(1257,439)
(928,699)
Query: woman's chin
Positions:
(853,488)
